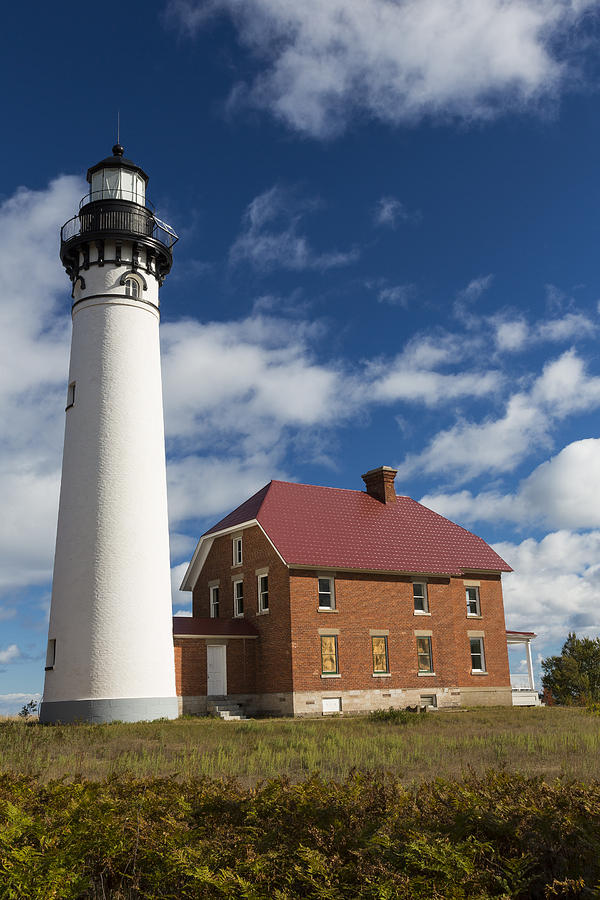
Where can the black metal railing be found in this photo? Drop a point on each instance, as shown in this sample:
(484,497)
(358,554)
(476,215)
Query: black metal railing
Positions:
(112,217)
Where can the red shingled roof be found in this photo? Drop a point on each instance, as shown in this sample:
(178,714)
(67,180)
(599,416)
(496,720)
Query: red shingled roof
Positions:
(333,528)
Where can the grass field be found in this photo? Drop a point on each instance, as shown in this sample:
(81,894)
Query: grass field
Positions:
(539,741)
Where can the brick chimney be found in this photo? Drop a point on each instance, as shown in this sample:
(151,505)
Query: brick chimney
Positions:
(380,483)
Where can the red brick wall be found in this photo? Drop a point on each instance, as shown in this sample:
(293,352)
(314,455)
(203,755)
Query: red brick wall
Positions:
(270,659)
(190,667)
(366,601)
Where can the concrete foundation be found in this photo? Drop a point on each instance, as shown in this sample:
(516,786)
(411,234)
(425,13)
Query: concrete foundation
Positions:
(129,709)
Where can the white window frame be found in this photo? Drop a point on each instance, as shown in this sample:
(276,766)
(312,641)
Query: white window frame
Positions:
(477,614)
(237,550)
(214,603)
(128,284)
(236,611)
(425,610)
(262,593)
(480,653)
(330,592)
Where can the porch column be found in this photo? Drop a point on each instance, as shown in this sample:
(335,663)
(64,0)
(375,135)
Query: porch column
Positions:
(530,667)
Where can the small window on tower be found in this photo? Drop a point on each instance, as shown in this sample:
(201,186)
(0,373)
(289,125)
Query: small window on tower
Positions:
(50,654)
(132,288)
(70,395)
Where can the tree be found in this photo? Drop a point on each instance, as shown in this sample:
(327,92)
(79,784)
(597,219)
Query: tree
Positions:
(574,676)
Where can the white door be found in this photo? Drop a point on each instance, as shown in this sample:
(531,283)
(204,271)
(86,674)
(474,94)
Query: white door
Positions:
(216,670)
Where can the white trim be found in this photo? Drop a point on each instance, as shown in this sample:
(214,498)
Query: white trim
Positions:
(217,637)
(331,675)
(425,674)
(381,674)
(202,550)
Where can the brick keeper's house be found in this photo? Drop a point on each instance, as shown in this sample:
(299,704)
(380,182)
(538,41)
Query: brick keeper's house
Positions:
(310,600)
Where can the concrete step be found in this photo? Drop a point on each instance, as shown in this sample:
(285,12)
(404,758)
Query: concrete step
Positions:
(228,710)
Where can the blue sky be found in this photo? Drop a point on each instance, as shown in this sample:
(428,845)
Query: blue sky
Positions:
(388,213)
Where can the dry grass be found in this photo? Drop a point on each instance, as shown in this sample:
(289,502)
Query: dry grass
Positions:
(548,741)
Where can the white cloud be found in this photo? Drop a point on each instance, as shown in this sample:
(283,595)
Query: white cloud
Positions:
(515,334)
(563,492)
(389,211)
(395,61)
(498,445)
(555,586)
(269,238)
(397,295)
(32,389)
(181,599)
(11,704)
(9,655)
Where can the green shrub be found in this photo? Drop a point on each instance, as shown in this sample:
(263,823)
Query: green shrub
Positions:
(368,838)
(396,716)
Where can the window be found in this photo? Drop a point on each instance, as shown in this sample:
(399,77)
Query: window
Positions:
(329,654)
(428,700)
(237,551)
(214,602)
(238,598)
(473,607)
(51,653)
(420,597)
(326,594)
(263,593)
(70,395)
(477,655)
(424,654)
(379,647)
(132,287)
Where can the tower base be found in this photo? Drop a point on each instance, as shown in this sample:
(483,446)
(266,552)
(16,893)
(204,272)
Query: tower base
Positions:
(127,709)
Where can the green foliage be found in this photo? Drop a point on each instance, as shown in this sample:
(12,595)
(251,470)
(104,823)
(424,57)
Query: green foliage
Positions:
(574,676)
(367,837)
(30,709)
(396,716)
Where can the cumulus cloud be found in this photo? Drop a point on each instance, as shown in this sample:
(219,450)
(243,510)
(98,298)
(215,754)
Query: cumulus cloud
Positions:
(10,704)
(516,334)
(467,449)
(554,586)
(9,654)
(396,62)
(270,236)
(34,311)
(563,492)
(397,294)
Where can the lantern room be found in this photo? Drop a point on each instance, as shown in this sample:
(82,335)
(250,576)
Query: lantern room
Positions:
(117,178)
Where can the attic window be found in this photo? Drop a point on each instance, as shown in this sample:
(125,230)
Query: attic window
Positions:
(214,602)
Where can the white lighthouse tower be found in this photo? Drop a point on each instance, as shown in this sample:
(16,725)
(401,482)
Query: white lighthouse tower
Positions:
(110,646)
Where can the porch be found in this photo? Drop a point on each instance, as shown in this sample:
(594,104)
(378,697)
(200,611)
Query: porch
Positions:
(524,692)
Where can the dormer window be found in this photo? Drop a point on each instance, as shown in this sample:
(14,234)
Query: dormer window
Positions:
(132,287)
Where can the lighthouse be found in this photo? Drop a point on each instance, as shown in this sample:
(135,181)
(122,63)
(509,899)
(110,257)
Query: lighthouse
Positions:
(110,647)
